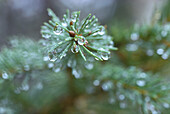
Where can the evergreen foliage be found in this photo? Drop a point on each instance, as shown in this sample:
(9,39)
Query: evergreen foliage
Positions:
(61,74)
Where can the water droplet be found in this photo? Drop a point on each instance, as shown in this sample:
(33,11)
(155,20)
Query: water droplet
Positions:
(134,36)
(77,74)
(167,27)
(121,97)
(105,56)
(81,41)
(166,105)
(147,99)
(51,57)
(165,56)
(50,65)
(64,24)
(74,49)
(96,82)
(164,33)
(149,52)
(46,36)
(25,87)
(26,67)
(57,70)
(101,32)
(39,86)
(142,75)
(89,66)
(140,83)
(107,86)
(160,51)
(163,88)
(96,59)
(5,75)
(58,30)
(131,47)
(111,100)
(122,105)
(46,58)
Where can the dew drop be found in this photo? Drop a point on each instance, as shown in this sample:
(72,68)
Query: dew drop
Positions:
(147,99)
(74,49)
(122,105)
(131,47)
(46,36)
(39,86)
(121,97)
(107,85)
(25,87)
(165,56)
(160,51)
(89,66)
(166,105)
(105,56)
(77,74)
(57,70)
(81,41)
(26,67)
(58,30)
(134,36)
(140,83)
(64,24)
(101,32)
(164,33)
(50,65)
(5,75)
(149,52)
(96,82)
(46,58)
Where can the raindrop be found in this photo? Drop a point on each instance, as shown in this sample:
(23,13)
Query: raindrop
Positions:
(134,36)
(111,100)
(25,87)
(166,105)
(164,33)
(165,56)
(64,24)
(81,41)
(5,75)
(160,51)
(26,67)
(131,47)
(149,52)
(89,66)
(46,58)
(121,97)
(39,86)
(105,56)
(77,74)
(107,85)
(74,49)
(96,82)
(50,65)
(58,30)
(140,83)
(46,36)
(57,70)
(122,105)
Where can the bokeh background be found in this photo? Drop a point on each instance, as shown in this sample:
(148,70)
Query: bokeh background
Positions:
(25,17)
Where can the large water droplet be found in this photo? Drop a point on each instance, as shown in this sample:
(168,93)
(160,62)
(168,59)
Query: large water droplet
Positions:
(74,49)
(52,57)
(96,82)
(160,51)
(89,66)
(5,75)
(81,41)
(105,56)
(141,83)
(58,30)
